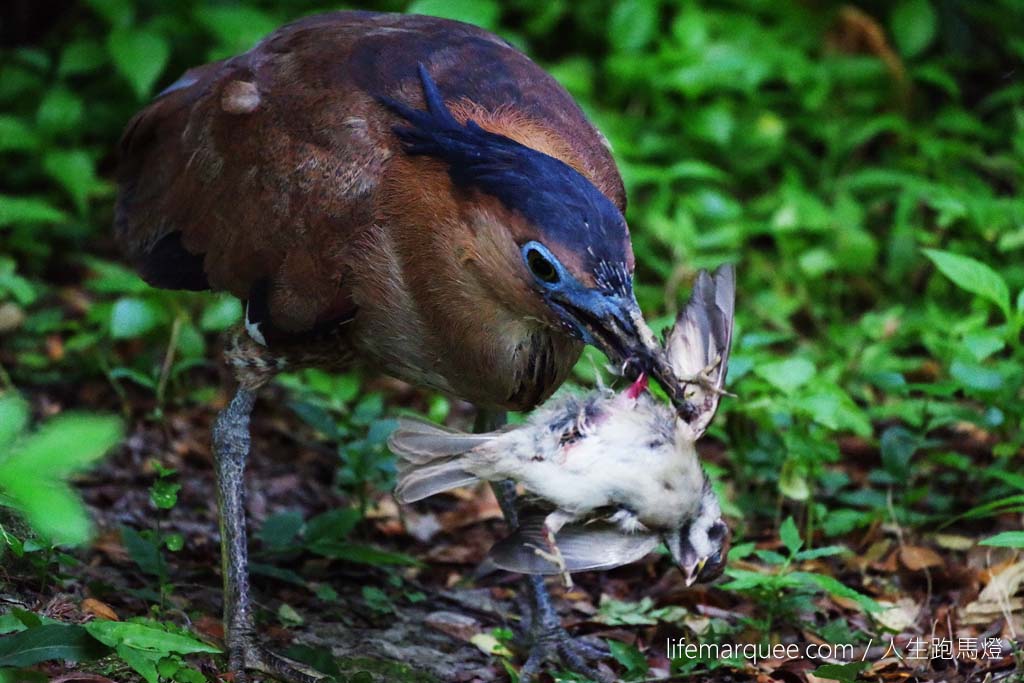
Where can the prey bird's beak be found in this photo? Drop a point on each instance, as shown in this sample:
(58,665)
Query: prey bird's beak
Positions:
(692,572)
(688,562)
(614,324)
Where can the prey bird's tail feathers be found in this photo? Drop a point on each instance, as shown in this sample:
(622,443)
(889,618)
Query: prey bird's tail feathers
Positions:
(698,345)
(594,546)
(431,458)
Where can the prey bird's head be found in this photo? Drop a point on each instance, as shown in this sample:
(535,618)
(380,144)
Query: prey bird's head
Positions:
(553,246)
(700,547)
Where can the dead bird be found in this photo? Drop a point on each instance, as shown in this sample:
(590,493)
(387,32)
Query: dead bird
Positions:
(620,469)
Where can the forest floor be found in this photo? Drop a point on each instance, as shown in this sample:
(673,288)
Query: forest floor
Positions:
(446,618)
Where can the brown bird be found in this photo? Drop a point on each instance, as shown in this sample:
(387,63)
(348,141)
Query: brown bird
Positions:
(405,192)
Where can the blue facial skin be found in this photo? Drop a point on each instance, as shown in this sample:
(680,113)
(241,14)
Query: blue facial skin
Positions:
(604,318)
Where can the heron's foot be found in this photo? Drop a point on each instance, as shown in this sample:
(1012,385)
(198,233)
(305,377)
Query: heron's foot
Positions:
(553,644)
(246,655)
(547,641)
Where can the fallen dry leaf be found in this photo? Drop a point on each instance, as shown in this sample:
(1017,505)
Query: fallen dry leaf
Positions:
(99,609)
(916,557)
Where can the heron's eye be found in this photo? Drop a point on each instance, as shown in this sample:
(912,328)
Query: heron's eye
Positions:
(543,269)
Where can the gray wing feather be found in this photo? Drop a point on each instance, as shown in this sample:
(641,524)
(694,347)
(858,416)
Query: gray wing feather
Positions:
(698,345)
(419,442)
(585,547)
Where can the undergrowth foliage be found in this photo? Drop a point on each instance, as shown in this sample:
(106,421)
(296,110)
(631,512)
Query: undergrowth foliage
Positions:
(860,163)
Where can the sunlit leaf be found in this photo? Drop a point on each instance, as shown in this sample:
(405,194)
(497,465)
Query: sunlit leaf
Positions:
(140,56)
(973,276)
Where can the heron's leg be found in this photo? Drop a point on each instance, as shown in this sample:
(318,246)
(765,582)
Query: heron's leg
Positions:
(546,638)
(231,448)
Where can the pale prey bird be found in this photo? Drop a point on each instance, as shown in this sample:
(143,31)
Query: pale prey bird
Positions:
(620,469)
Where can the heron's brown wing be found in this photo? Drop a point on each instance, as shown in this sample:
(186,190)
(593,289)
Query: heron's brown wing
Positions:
(261,174)
(698,345)
(585,547)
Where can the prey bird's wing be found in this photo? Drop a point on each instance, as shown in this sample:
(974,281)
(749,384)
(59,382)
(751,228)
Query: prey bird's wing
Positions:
(585,547)
(698,345)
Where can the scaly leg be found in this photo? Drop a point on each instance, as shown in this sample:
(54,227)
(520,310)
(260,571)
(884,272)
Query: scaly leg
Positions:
(231,448)
(541,625)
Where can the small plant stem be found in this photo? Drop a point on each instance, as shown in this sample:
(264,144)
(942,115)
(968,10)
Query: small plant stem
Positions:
(165,368)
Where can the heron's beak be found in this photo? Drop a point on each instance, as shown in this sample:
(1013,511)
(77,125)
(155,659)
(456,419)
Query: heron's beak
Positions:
(614,324)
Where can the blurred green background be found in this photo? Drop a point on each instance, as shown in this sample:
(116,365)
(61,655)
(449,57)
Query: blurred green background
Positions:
(861,163)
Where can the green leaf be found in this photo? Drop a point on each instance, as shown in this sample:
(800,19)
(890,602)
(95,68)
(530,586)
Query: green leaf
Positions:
(76,173)
(843,673)
(973,276)
(49,642)
(1006,539)
(13,419)
(221,314)
(790,536)
(132,317)
(279,531)
(144,552)
(630,657)
(835,587)
(786,375)
(632,24)
(81,56)
(898,446)
(60,111)
(16,135)
(49,507)
(19,210)
(144,663)
(147,638)
(140,56)
(64,445)
(483,13)
(238,27)
(913,26)
(333,525)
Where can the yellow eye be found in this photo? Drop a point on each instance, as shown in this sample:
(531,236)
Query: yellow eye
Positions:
(541,268)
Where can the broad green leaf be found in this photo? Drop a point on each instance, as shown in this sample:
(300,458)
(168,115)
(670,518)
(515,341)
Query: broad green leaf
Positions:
(220,314)
(913,26)
(142,661)
(140,56)
(118,13)
(973,276)
(843,673)
(1006,539)
(835,587)
(630,657)
(144,552)
(632,24)
(279,531)
(65,444)
(237,27)
(143,637)
(15,134)
(786,375)
(113,278)
(132,317)
(790,536)
(49,507)
(483,13)
(81,56)
(49,642)
(15,210)
(13,419)
(60,111)
(76,173)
